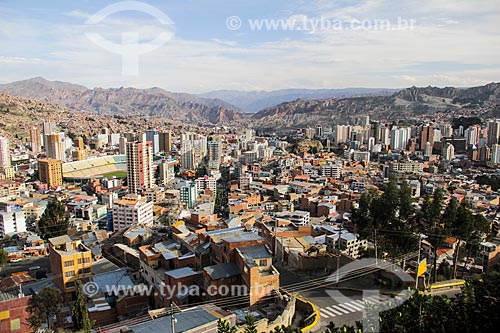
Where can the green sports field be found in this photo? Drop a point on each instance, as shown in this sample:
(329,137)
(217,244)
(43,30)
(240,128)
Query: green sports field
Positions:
(117,174)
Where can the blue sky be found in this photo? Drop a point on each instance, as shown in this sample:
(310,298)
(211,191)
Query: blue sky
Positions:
(315,44)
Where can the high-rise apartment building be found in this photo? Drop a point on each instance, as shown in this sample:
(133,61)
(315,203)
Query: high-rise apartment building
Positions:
(56,147)
(139,166)
(167,171)
(78,142)
(166,141)
(493,132)
(50,172)
(4,153)
(214,154)
(472,135)
(319,131)
(123,145)
(495,153)
(448,152)
(47,128)
(132,210)
(426,135)
(153,136)
(341,133)
(188,194)
(399,138)
(35,139)
(428,149)
(206,183)
(310,132)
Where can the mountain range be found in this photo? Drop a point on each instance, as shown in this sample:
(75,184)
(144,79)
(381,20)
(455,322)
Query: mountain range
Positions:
(153,102)
(254,101)
(219,107)
(405,104)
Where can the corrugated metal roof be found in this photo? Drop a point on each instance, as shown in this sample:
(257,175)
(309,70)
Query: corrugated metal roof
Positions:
(222,271)
(185,321)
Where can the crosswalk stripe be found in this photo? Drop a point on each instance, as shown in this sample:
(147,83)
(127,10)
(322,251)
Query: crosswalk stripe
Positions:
(347,307)
(339,307)
(374,299)
(356,306)
(332,309)
(359,302)
(326,313)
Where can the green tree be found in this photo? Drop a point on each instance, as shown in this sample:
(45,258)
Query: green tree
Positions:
(362,216)
(450,215)
(250,326)
(405,203)
(332,328)
(474,310)
(481,226)
(223,326)
(436,206)
(43,307)
(464,224)
(278,329)
(385,208)
(79,311)
(4,257)
(54,220)
(445,270)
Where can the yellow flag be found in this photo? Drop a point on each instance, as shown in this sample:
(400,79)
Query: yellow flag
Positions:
(422,267)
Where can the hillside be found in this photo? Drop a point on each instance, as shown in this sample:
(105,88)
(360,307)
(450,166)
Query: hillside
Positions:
(154,102)
(405,104)
(254,101)
(17,115)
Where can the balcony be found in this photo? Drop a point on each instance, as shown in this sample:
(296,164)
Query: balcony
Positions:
(269,271)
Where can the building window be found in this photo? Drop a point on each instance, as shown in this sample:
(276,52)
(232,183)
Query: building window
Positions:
(263,262)
(69,274)
(84,270)
(69,263)
(15,324)
(83,260)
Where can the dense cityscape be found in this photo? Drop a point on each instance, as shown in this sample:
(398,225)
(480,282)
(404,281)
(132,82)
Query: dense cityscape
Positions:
(219,207)
(261,198)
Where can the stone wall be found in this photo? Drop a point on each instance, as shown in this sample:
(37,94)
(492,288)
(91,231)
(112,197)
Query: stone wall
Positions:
(285,319)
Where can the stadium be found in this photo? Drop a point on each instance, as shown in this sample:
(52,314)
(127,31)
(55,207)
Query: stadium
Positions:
(100,167)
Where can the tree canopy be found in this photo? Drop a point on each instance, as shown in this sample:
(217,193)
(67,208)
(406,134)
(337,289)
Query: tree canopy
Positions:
(43,307)
(79,312)
(54,220)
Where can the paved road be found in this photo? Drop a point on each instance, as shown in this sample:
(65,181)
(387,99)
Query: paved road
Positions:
(24,265)
(340,306)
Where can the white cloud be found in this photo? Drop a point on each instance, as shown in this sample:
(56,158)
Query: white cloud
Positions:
(18,60)
(324,59)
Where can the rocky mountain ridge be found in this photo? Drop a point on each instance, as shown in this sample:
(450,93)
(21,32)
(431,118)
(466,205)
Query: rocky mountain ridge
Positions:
(153,102)
(405,104)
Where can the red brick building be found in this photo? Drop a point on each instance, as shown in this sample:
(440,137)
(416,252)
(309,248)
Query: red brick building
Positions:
(13,315)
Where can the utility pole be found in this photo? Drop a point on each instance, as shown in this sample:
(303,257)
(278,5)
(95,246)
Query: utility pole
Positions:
(455,258)
(418,259)
(375,245)
(338,252)
(172,318)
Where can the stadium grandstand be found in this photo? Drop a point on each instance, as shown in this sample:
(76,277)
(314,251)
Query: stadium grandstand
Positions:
(95,168)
